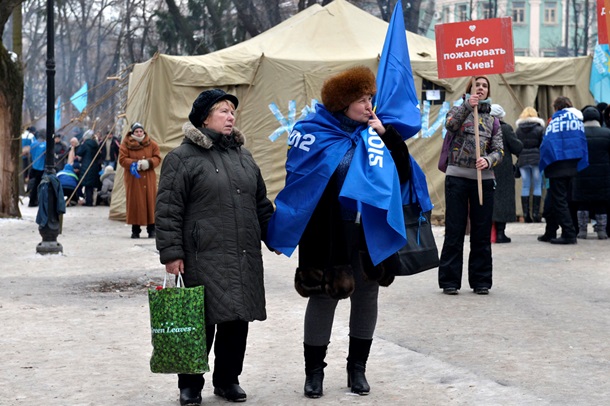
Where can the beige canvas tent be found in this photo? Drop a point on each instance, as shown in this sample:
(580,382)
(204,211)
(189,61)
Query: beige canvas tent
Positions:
(288,64)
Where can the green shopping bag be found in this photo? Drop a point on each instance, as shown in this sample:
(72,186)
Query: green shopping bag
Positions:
(177,324)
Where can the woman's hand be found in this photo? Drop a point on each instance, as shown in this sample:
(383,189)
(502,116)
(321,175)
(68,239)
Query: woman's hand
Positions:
(482,163)
(175,267)
(376,124)
(474,100)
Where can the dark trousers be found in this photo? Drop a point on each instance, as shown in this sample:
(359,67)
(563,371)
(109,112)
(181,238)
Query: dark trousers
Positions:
(559,211)
(462,202)
(89,195)
(34,181)
(229,352)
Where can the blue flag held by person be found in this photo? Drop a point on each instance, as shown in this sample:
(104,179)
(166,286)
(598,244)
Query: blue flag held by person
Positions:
(396,102)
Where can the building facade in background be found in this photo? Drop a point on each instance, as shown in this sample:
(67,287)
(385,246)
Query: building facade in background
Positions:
(540,27)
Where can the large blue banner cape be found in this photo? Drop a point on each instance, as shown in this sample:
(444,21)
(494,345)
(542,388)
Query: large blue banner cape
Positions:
(371,185)
(564,139)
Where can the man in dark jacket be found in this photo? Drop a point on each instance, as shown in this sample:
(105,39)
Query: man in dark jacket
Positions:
(562,154)
(110,150)
(591,191)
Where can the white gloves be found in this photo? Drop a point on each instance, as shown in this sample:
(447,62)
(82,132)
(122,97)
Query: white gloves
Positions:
(143,165)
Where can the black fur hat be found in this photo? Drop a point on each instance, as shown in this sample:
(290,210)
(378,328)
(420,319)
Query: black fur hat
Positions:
(340,90)
(204,102)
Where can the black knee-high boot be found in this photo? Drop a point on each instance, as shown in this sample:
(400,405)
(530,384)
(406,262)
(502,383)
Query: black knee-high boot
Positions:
(525,205)
(356,365)
(314,370)
(501,237)
(536,216)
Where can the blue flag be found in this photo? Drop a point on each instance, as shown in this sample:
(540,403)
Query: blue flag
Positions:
(310,164)
(396,102)
(79,99)
(564,139)
(372,188)
(599,84)
(58,114)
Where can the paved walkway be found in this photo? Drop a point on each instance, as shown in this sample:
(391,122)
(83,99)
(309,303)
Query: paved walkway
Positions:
(75,327)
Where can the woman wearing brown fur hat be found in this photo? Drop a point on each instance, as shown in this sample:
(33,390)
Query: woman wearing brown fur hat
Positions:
(461,191)
(212,213)
(322,210)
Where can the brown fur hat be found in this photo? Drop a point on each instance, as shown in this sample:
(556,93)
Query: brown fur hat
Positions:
(345,87)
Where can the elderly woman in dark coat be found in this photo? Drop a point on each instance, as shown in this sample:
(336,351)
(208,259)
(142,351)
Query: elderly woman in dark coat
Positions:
(504,195)
(591,188)
(212,213)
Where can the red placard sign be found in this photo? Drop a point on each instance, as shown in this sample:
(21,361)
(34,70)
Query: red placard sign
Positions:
(602,22)
(469,48)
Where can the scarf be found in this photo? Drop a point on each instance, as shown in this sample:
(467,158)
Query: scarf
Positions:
(317,145)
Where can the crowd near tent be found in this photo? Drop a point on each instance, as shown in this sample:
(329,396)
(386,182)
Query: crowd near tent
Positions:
(277,76)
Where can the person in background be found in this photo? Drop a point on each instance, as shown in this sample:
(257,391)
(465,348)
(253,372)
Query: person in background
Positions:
(72,153)
(563,153)
(461,191)
(27,138)
(110,150)
(334,252)
(504,196)
(69,181)
(139,155)
(38,149)
(530,130)
(212,213)
(601,106)
(61,151)
(89,165)
(591,189)
(107,180)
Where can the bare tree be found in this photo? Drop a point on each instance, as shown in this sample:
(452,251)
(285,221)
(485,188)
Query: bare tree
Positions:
(11,97)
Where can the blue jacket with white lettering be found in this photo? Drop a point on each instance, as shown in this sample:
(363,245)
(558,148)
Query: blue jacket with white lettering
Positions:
(564,140)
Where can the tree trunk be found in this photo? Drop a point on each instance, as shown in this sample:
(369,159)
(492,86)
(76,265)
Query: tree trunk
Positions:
(11,97)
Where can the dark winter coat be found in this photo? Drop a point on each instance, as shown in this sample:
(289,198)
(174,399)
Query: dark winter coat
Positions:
(593,183)
(504,195)
(89,163)
(60,149)
(212,212)
(140,193)
(530,132)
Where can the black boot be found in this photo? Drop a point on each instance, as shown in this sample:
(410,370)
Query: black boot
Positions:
(314,370)
(135,231)
(536,216)
(356,365)
(501,237)
(601,226)
(583,221)
(525,206)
